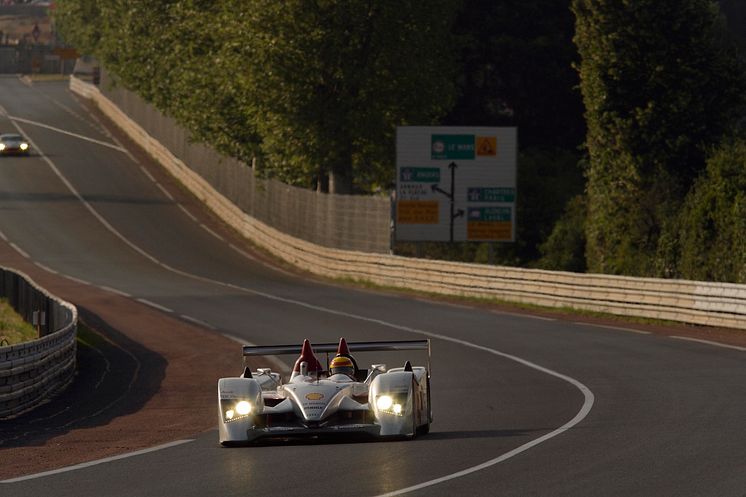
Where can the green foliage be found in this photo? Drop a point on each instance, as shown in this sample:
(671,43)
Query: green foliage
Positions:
(711,230)
(564,249)
(660,83)
(315,90)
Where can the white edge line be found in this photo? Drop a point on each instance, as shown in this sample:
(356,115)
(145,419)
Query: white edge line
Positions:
(617,328)
(192,216)
(114,290)
(154,305)
(147,173)
(708,342)
(97,462)
(518,315)
(76,280)
(19,250)
(46,268)
(204,227)
(165,192)
(588,401)
(2,235)
(197,321)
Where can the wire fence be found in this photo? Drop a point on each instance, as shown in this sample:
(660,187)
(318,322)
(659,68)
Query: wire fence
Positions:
(349,222)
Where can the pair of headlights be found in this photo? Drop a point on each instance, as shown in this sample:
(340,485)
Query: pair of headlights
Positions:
(387,403)
(23,146)
(239,410)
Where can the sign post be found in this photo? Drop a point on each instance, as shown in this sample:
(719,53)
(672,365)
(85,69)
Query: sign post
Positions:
(482,196)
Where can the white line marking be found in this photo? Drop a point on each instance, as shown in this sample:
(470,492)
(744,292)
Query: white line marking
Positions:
(2,235)
(448,304)
(197,321)
(154,305)
(165,192)
(519,315)
(46,268)
(76,280)
(204,227)
(708,342)
(114,290)
(97,462)
(19,250)
(62,131)
(192,216)
(617,328)
(147,173)
(587,394)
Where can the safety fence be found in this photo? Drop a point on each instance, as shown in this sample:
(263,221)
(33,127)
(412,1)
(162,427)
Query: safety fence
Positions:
(711,304)
(32,372)
(350,222)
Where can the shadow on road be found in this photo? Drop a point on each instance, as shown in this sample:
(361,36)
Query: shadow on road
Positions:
(115,376)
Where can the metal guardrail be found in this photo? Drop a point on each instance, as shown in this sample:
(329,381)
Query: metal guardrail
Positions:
(702,303)
(32,372)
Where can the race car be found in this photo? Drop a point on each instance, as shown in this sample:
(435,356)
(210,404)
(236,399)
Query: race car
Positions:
(318,400)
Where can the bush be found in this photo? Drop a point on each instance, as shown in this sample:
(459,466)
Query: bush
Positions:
(712,225)
(564,250)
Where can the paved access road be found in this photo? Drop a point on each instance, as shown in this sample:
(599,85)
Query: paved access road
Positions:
(524,406)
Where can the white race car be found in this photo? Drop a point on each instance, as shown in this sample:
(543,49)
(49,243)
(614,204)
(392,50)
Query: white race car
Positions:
(317,401)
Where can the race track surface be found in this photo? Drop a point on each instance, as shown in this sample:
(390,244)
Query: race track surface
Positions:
(523,405)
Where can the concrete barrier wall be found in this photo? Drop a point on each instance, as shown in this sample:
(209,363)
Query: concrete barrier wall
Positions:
(712,304)
(32,372)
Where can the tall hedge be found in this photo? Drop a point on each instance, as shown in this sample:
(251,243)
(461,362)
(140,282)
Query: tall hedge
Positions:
(660,83)
(711,231)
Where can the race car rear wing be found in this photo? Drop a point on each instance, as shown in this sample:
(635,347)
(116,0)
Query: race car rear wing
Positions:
(395,345)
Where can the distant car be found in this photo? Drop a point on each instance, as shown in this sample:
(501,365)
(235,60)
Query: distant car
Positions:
(13,144)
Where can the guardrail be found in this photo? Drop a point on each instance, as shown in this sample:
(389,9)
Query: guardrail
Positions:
(32,372)
(703,303)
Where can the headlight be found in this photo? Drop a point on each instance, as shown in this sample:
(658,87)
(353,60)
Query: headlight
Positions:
(384,402)
(24,146)
(243,408)
(2,146)
(235,410)
(390,405)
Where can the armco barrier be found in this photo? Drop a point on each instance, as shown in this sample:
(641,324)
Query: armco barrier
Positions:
(32,372)
(711,304)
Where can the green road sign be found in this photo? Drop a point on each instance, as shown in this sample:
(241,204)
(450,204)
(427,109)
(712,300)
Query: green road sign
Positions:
(420,174)
(491,194)
(452,147)
(489,214)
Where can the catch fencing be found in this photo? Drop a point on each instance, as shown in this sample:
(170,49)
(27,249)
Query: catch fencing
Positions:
(349,222)
(32,372)
(703,303)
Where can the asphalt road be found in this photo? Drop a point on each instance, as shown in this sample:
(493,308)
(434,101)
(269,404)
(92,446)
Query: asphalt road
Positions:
(523,406)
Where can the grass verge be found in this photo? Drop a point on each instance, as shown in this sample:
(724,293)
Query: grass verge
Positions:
(13,329)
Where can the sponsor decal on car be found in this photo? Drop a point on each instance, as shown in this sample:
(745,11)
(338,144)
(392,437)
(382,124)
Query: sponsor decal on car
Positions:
(315,396)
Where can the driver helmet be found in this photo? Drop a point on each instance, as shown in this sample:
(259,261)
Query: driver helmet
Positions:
(342,365)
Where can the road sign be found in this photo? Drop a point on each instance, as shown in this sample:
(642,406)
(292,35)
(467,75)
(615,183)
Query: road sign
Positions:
(456,183)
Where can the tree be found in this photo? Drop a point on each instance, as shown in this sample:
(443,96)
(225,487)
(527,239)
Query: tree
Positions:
(660,83)
(314,89)
(332,79)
